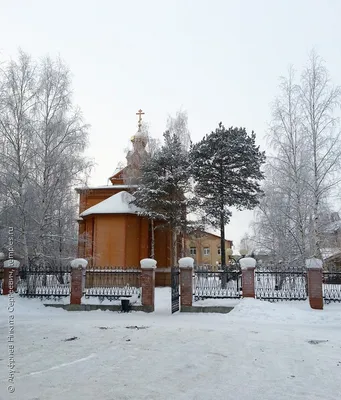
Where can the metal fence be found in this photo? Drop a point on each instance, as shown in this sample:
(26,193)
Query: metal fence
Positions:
(44,281)
(214,285)
(331,284)
(1,279)
(280,284)
(112,284)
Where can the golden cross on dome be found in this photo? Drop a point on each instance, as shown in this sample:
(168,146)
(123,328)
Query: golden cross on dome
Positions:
(139,123)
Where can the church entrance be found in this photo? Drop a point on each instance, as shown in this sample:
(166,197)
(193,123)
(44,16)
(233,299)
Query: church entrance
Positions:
(175,282)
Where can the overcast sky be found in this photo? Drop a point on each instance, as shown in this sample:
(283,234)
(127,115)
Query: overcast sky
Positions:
(218,59)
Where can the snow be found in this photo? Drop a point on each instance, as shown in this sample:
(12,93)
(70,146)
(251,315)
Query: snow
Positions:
(11,264)
(148,263)
(2,256)
(98,300)
(186,262)
(314,263)
(217,302)
(330,252)
(258,351)
(79,262)
(247,262)
(119,203)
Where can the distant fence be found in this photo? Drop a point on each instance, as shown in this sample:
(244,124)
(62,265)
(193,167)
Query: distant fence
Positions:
(112,284)
(280,284)
(44,281)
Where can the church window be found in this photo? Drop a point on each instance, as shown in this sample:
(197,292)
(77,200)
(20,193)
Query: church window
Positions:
(219,251)
(193,251)
(206,251)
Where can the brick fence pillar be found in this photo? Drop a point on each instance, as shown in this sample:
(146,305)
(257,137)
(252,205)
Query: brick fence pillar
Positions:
(186,281)
(315,282)
(10,276)
(77,280)
(148,266)
(248,266)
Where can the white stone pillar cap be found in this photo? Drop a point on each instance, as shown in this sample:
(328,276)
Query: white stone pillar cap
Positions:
(247,262)
(2,256)
(11,264)
(148,263)
(186,263)
(313,263)
(79,263)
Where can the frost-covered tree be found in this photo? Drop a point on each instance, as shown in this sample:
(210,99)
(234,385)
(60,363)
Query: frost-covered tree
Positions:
(42,139)
(17,129)
(283,217)
(178,126)
(304,167)
(60,140)
(163,187)
(320,101)
(226,166)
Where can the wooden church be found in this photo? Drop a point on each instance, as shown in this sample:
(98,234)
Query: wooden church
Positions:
(112,234)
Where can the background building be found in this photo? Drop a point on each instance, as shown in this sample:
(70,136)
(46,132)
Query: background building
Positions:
(205,248)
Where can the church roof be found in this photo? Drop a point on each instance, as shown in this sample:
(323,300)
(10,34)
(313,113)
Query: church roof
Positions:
(119,203)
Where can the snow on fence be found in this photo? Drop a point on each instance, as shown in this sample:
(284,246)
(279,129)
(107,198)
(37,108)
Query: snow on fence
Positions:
(44,282)
(281,284)
(212,285)
(112,284)
(331,286)
(1,278)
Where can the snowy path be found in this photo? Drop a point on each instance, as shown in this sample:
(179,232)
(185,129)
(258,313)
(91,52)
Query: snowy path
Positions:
(258,351)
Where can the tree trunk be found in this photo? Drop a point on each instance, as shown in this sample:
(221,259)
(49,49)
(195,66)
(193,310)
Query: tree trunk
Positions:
(223,252)
(174,248)
(152,244)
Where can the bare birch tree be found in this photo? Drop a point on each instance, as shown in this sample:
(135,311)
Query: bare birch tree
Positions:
(304,168)
(17,103)
(320,99)
(42,142)
(60,138)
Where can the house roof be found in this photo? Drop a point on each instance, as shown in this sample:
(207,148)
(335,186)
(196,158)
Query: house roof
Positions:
(119,203)
(213,234)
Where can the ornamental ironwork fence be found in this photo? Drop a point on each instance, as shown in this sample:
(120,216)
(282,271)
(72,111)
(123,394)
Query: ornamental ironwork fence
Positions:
(331,284)
(282,283)
(1,279)
(217,284)
(112,284)
(43,281)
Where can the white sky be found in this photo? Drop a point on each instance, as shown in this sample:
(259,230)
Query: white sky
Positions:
(218,59)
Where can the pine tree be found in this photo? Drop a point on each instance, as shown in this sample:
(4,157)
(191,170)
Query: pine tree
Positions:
(226,166)
(163,185)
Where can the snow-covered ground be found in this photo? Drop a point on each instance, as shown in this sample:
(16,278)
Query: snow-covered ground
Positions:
(259,350)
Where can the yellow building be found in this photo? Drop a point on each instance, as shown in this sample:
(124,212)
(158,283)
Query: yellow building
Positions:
(205,248)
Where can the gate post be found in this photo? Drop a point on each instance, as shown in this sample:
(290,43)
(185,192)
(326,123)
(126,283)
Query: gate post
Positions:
(10,276)
(186,282)
(248,266)
(148,266)
(315,282)
(77,280)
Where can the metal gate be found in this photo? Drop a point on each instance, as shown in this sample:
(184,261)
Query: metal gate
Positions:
(175,275)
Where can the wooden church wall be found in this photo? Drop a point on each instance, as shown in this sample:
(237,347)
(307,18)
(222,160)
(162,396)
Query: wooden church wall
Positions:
(110,240)
(133,238)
